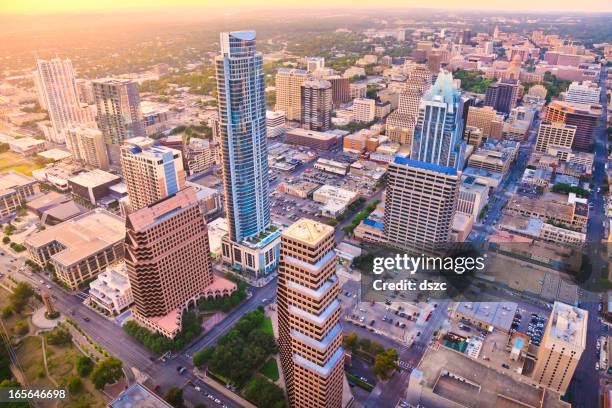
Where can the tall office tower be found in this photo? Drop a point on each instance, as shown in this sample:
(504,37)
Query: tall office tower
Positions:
(420,76)
(288,85)
(244,150)
(583,92)
(310,335)
(400,124)
(57,92)
(583,116)
(434,61)
(556,134)
(502,95)
(150,172)
(314,63)
(486,119)
(316,102)
(562,345)
(421,201)
(119,116)
(252,245)
(341,89)
(87,146)
(422,191)
(438,132)
(168,260)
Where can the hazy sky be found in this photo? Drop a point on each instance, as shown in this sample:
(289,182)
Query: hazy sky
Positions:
(47,6)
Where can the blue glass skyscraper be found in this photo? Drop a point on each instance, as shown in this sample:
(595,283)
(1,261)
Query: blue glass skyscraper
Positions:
(438,134)
(242,121)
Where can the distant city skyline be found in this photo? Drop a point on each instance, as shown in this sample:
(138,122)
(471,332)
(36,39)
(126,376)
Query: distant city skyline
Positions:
(68,6)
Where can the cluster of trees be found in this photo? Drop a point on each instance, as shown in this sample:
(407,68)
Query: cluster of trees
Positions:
(384,360)
(361,215)
(565,188)
(60,336)
(160,344)
(264,393)
(22,292)
(84,365)
(243,350)
(226,303)
(356,126)
(174,397)
(201,131)
(472,81)
(202,82)
(107,371)
(6,377)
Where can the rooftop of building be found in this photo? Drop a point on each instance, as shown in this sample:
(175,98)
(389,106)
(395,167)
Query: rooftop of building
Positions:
(578,108)
(157,212)
(495,314)
(26,142)
(569,324)
(94,178)
(336,193)
(450,171)
(308,231)
(81,236)
(311,133)
(13,179)
(55,154)
(138,396)
(462,380)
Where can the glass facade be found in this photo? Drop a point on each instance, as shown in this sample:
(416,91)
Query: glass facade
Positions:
(242,126)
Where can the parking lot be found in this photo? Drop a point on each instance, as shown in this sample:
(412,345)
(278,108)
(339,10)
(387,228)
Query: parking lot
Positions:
(400,321)
(287,209)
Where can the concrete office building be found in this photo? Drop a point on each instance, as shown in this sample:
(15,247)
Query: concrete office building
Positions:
(485,119)
(314,63)
(168,260)
(150,171)
(556,134)
(244,156)
(316,105)
(200,155)
(87,146)
(502,95)
(472,198)
(111,291)
(310,334)
(288,85)
(420,203)
(583,116)
(57,92)
(92,186)
(586,92)
(341,89)
(364,110)
(275,123)
(562,345)
(119,116)
(79,248)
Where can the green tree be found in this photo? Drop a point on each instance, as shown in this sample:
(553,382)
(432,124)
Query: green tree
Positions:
(60,336)
(74,385)
(174,397)
(384,363)
(6,240)
(201,357)
(7,312)
(84,365)
(264,393)
(350,341)
(106,371)
(22,292)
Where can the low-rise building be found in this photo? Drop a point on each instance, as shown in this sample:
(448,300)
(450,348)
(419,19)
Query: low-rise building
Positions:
(200,155)
(275,123)
(537,229)
(15,190)
(80,248)
(550,208)
(486,315)
(27,146)
(332,166)
(111,291)
(312,138)
(93,185)
(297,188)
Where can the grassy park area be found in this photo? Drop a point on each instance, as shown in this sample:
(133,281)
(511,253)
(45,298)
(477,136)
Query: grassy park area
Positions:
(10,161)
